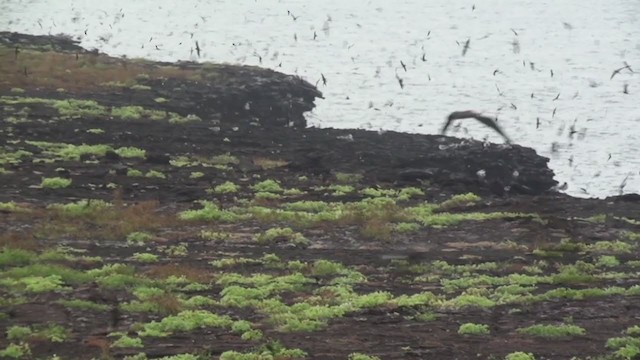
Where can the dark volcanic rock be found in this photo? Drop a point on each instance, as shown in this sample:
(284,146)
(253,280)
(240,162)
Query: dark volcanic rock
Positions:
(254,112)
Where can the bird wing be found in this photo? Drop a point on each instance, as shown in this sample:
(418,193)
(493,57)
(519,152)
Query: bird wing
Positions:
(446,125)
(492,124)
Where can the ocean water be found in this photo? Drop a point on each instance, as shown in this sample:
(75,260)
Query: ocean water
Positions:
(542,67)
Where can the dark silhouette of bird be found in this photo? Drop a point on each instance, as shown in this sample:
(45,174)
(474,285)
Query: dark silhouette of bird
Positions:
(469,114)
(466,47)
(404,66)
(625,89)
(424,57)
(400,81)
(324,80)
(292,16)
(197,49)
(514,32)
(551,71)
(553,114)
(537,122)
(499,92)
(315,35)
(617,71)
(557,97)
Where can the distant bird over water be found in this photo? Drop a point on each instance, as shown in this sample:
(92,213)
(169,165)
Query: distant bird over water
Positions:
(469,114)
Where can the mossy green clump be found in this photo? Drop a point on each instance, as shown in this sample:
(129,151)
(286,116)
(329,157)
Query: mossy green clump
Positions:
(51,332)
(139,237)
(55,183)
(460,200)
(214,235)
(136,112)
(16,351)
(125,341)
(287,234)
(272,350)
(473,329)
(185,321)
(81,208)
(83,304)
(155,174)
(16,257)
(343,177)
(146,257)
(269,186)
(361,356)
(131,152)
(70,152)
(553,330)
(519,355)
(210,212)
(72,108)
(224,159)
(134,173)
(226,188)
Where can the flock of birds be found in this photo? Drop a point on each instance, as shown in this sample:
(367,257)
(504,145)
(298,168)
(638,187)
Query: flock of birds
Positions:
(197,50)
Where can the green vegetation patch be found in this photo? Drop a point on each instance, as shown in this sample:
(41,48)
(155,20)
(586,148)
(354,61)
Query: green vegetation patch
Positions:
(473,329)
(55,183)
(552,330)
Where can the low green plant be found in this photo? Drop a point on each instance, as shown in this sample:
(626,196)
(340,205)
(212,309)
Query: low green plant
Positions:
(224,159)
(473,329)
(519,355)
(553,330)
(83,304)
(214,235)
(406,227)
(460,200)
(17,332)
(16,351)
(361,356)
(348,177)
(210,212)
(127,342)
(146,257)
(16,257)
(274,234)
(607,261)
(81,208)
(155,174)
(55,183)
(196,175)
(139,237)
(131,152)
(134,173)
(270,186)
(184,321)
(226,188)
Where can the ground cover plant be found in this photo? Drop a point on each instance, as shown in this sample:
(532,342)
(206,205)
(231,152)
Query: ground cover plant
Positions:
(158,238)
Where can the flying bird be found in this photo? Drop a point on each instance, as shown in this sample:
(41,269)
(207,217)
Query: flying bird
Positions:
(617,71)
(404,66)
(198,49)
(466,47)
(469,114)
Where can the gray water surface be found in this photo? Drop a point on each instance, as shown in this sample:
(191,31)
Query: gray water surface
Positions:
(359,46)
